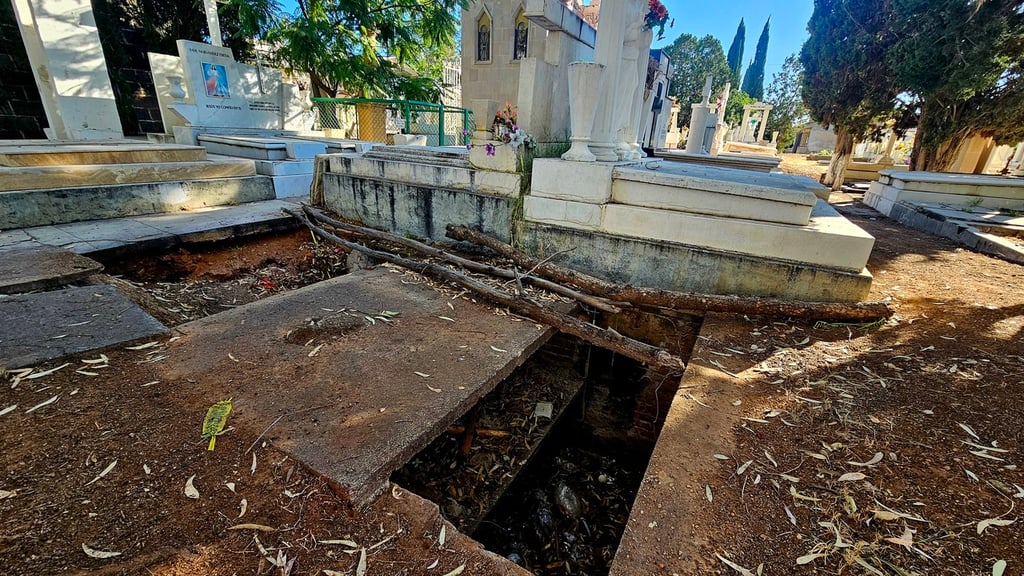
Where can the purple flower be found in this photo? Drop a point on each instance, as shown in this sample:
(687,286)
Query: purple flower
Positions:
(490,149)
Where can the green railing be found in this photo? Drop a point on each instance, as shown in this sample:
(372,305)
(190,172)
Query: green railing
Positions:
(379,120)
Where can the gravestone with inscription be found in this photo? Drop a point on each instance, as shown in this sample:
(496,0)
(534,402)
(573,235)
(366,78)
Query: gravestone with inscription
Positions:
(216,87)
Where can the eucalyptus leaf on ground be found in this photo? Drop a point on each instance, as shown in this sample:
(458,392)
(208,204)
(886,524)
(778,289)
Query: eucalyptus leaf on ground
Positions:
(190,488)
(457,571)
(101,554)
(807,559)
(361,565)
(993,522)
(743,571)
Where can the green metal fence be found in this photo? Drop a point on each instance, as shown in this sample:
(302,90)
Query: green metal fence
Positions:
(379,120)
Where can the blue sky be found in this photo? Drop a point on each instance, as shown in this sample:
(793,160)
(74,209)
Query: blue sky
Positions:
(786,34)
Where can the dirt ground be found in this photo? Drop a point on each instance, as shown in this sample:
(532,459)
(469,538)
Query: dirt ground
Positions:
(926,407)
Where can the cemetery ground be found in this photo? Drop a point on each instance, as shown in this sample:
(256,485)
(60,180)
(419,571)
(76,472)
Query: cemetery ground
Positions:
(889,448)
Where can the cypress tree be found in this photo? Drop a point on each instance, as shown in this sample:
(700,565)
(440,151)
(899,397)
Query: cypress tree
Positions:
(753,81)
(736,53)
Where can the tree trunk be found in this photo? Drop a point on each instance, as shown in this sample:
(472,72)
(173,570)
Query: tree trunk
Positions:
(833,177)
(848,312)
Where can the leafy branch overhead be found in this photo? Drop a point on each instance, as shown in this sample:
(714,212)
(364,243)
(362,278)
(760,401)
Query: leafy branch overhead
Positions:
(366,48)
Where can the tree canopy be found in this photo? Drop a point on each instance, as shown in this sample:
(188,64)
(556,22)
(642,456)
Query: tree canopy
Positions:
(368,48)
(735,57)
(960,60)
(953,68)
(753,80)
(847,82)
(784,94)
(692,60)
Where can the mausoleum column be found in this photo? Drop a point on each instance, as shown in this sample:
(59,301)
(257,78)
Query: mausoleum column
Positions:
(610,35)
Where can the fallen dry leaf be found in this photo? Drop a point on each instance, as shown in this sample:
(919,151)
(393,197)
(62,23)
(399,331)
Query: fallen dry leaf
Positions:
(190,488)
(104,473)
(101,554)
(993,522)
(249,526)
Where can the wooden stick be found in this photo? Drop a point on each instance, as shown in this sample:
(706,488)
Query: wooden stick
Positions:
(601,304)
(608,339)
(835,311)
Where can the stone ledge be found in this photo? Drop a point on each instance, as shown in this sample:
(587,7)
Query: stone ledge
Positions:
(883,197)
(664,194)
(579,215)
(685,268)
(829,240)
(743,184)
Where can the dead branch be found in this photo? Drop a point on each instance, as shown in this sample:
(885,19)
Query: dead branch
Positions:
(834,311)
(608,339)
(601,304)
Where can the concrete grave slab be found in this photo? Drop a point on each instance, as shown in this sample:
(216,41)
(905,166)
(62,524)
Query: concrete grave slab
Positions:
(829,240)
(36,153)
(352,406)
(43,268)
(44,207)
(240,146)
(73,176)
(737,161)
(716,192)
(284,167)
(49,325)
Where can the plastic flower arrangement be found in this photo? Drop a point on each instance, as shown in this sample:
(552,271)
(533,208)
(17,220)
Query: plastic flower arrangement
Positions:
(657,17)
(505,128)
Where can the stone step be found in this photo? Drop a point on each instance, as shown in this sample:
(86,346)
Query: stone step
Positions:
(43,177)
(50,153)
(44,207)
(135,234)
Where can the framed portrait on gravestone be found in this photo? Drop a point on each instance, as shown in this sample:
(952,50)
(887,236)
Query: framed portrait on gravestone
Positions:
(216,80)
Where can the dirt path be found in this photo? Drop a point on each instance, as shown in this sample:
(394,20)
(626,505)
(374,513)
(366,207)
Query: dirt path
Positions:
(884,450)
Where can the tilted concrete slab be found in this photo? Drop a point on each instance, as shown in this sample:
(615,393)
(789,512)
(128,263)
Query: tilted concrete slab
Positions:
(43,268)
(50,153)
(44,207)
(42,177)
(829,240)
(284,167)
(49,325)
(351,405)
